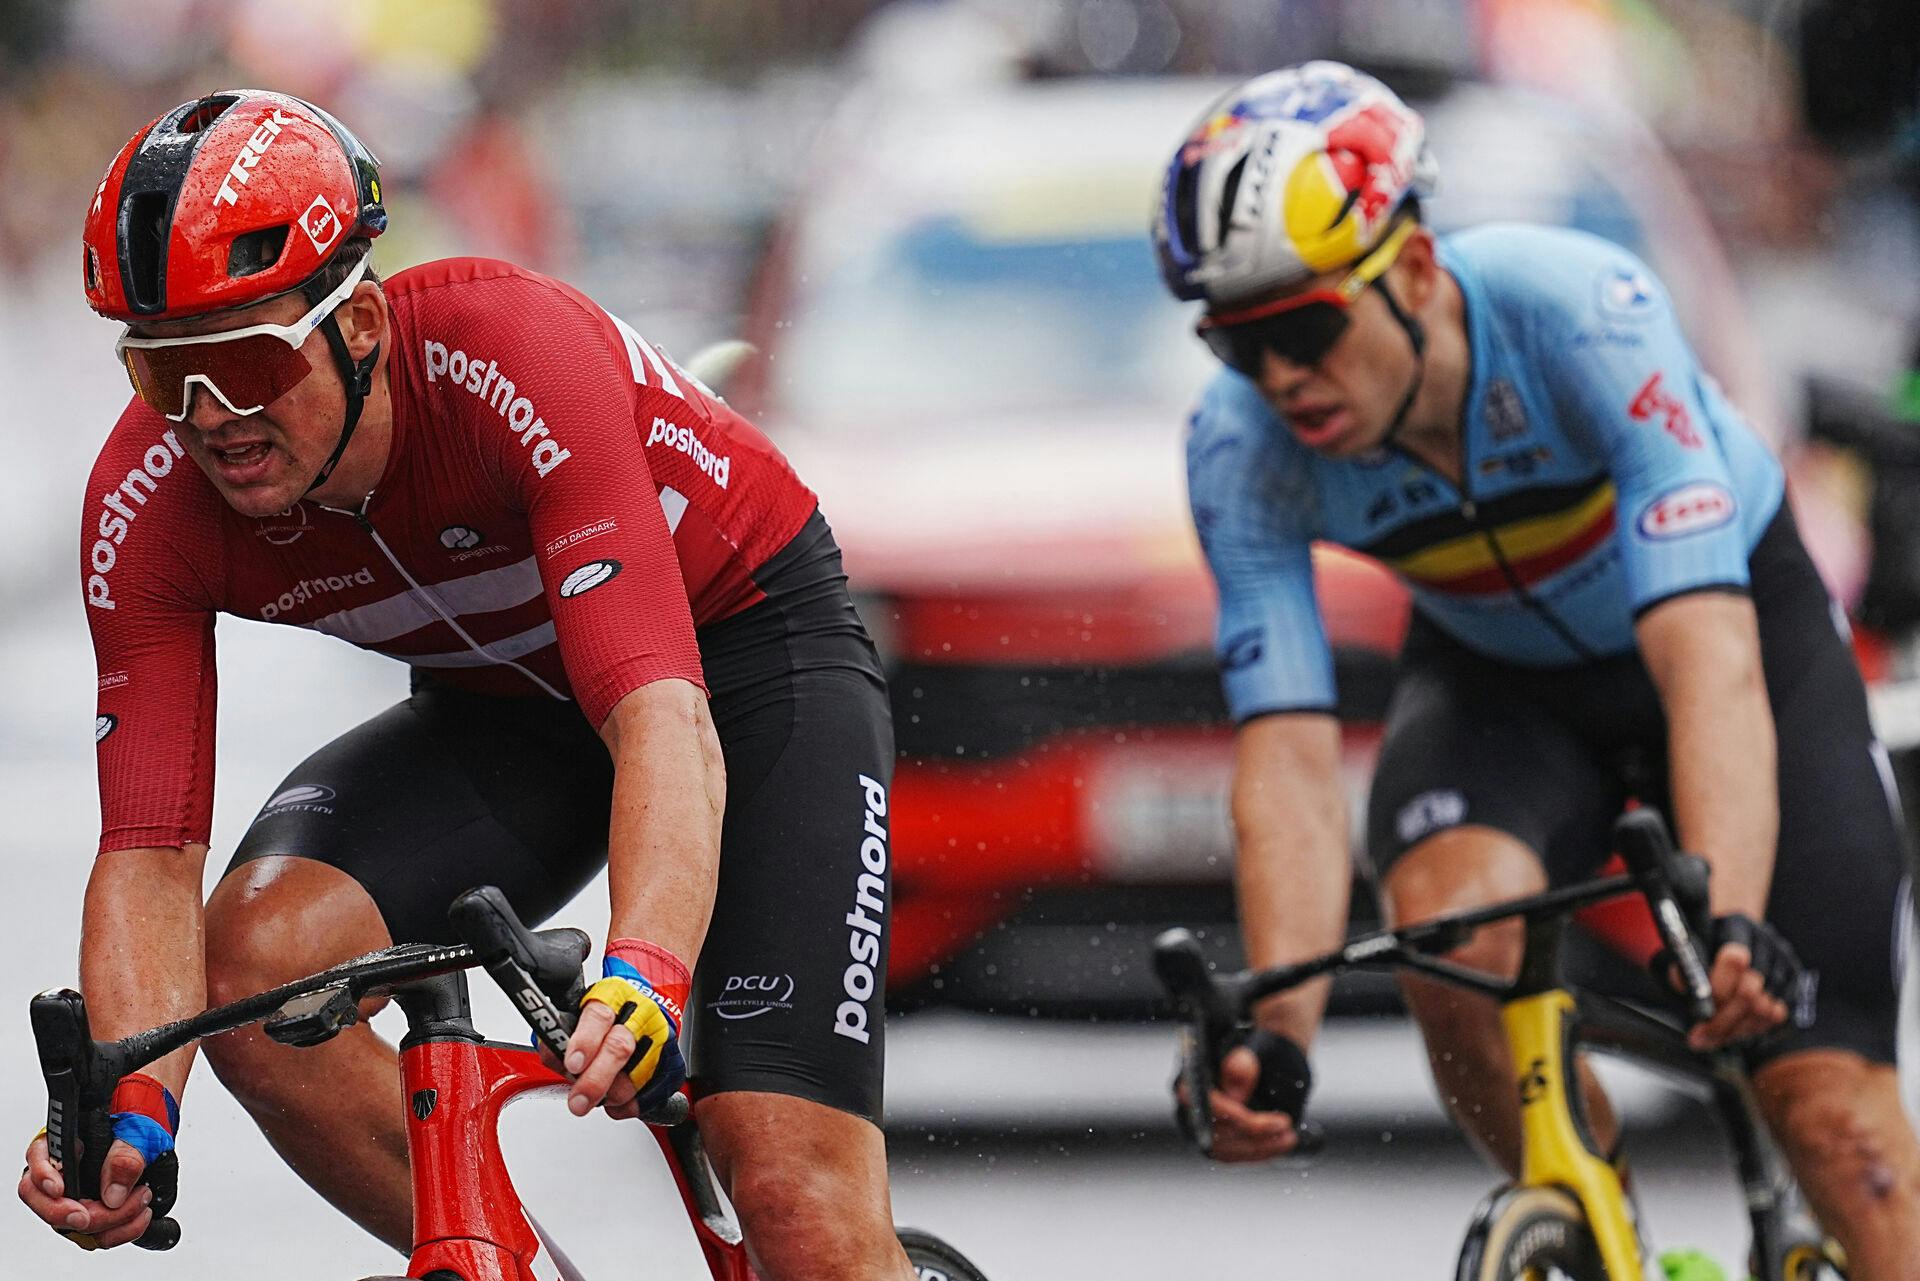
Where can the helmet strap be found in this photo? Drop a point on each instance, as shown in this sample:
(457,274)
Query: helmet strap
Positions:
(358,378)
(1416,339)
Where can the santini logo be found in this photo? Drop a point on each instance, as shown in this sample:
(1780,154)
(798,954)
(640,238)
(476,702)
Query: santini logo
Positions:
(309,798)
(454,537)
(588,577)
(104,724)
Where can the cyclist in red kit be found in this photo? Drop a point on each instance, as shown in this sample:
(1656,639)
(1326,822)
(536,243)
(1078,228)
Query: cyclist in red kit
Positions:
(630,642)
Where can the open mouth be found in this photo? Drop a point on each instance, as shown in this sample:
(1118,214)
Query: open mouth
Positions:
(243,455)
(1313,423)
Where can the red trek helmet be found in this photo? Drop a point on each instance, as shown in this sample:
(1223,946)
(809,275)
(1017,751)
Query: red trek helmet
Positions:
(224,202)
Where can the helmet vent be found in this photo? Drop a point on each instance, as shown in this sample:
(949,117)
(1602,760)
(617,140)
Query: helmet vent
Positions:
(1186,198)
(205,112)
(256,251)
(1227,195)
(90,266)
(148,215)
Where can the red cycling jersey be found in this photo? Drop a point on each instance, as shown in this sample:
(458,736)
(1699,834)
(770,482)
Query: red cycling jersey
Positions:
(561,506)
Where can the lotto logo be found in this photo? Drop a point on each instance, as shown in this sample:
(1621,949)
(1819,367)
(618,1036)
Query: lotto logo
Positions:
(1654,403)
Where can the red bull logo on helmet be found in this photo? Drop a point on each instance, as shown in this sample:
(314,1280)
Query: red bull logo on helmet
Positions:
(1215,134)
(1338,200)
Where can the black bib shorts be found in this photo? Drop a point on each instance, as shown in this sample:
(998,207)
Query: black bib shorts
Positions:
(1551,756)
(449,789)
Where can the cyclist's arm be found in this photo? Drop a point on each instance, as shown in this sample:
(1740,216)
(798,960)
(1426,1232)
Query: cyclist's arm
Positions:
(1291,872)
(618,597)
(142,961)
(142,947)
(1703,651)
(669,791)
(1253,507)
(1684,530)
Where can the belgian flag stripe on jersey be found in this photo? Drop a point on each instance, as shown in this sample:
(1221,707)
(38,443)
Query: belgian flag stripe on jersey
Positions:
(1449,553)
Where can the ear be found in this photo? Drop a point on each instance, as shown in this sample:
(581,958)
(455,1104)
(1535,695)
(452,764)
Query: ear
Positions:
(363,319)
(1416,271)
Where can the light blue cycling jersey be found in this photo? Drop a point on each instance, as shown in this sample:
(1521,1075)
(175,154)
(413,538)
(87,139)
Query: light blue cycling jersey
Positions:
(1603,473)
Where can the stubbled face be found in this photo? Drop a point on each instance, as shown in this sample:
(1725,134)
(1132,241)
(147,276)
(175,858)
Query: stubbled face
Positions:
(262,463)
(1344,405)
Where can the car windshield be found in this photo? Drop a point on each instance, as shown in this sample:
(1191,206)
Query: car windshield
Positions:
(946,322)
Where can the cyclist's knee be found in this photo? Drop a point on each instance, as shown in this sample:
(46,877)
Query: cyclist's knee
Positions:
(275,919)
(1840,1121)
(1460,869)
(816,1192)
(272,921)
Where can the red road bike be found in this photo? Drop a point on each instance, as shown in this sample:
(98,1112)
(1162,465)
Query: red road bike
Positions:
(468,1221)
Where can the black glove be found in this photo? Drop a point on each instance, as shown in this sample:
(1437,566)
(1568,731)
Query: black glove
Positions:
(1774,959)
(1285,1076)
(1283,1084)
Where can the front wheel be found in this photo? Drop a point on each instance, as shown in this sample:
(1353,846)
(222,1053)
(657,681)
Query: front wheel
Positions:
(935,1260)
(1530,1234)
(1821,1260)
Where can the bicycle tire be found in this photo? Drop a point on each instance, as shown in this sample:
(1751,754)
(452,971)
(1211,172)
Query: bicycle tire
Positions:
(935,1260)
(1530,1234)
(1820,1260)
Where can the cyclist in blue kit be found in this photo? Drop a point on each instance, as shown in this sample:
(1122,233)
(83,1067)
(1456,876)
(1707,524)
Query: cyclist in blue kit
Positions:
(1610,599)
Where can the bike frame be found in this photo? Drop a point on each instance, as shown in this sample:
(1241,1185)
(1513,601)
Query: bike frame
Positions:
(468,1219)
(1545,1023)
(467,1216)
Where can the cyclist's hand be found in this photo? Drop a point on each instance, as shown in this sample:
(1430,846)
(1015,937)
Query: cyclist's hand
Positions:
(1755,974)
(637,1004)
(118,1218)
(1258,1099)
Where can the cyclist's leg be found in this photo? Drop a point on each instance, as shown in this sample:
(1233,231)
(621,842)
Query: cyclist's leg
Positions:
(1479,797)
(1829,1089)
(366,842)
(788,1003)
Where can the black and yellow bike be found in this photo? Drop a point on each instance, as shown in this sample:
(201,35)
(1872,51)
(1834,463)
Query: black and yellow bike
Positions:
(1568,1214)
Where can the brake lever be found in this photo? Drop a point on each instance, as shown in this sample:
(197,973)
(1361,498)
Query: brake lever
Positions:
(1182,970)
(80,1075)
(1675,887)
(529,968)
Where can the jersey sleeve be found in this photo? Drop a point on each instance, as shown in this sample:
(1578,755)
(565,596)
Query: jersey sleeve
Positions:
(145,554)
(1254,517)
(1626,378)
(574,461)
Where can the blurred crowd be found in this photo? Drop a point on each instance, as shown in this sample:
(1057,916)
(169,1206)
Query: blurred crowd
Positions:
(646,149)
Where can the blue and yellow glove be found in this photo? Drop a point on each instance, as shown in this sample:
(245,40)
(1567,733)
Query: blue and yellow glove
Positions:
(647,988)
